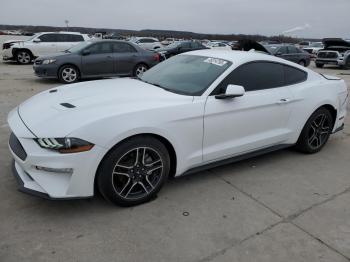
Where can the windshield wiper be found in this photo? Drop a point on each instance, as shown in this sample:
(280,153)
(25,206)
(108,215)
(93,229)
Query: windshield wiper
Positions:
(164,88)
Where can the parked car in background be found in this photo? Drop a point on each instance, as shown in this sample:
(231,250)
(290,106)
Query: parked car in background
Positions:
(313,48)
(219,46)
(290,53)
(303,44)
(40,44)
(285,51)
(126,137)
(180,47)
(336,52)
(168,41)
(148,43)
(93,59)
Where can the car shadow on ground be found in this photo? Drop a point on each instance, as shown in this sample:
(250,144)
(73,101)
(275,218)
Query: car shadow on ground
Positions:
(85,206)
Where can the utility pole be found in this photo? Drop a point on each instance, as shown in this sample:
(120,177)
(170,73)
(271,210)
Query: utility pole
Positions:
(67,24)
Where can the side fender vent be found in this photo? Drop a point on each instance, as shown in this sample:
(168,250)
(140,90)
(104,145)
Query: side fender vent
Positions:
(68,105)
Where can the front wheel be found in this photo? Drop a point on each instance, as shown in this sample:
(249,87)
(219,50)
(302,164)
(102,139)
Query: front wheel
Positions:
(302,63)
(316,132)
(24,57)
(68,74)
(134,171)
(319,65)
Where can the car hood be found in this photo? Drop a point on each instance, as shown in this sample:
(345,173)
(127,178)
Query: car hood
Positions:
(335,42)
(60,111)
(55,55)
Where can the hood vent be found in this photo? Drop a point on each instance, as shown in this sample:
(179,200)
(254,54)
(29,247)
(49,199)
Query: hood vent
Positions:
(68,105)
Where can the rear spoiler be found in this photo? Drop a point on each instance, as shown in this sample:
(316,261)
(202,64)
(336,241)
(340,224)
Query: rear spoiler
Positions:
(328,77)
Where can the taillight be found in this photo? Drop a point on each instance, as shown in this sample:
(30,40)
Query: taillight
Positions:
(156,57)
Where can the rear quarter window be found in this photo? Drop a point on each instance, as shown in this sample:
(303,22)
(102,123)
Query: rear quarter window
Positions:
(294,76)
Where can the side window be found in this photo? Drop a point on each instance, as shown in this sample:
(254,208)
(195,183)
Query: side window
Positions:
(186,45)
(293,50)
(74,38)
(283,50)
(255,76)
(48,38)
(100,48)
(62,38)
(293,75)
(123,48)
(195,45)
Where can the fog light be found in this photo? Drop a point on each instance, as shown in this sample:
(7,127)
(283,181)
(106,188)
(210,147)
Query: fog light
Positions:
(55,170)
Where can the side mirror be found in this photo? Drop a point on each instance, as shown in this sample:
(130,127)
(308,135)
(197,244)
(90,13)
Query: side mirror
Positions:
(232,91)
(36,40)
(86,52)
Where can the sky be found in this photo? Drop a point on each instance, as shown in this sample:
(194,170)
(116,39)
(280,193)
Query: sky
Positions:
(297,18)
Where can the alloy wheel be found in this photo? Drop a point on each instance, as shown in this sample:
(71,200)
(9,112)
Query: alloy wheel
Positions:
(69,74)
(137,173)
(319,131)
(140,70)
(23,57)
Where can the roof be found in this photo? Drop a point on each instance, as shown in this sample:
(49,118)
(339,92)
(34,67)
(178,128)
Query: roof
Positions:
(241,57)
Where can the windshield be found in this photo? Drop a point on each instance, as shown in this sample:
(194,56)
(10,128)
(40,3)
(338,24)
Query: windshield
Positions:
(272,48)
(32,37)
(186,74)
(79,47)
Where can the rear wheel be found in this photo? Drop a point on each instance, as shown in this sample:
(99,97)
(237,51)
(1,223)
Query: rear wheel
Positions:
(316,132)
(140,69)
(23,57)
(302,63)
(347,63)
(68,74)
(134,171)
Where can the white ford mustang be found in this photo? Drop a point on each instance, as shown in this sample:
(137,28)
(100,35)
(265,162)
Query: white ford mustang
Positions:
(193,111)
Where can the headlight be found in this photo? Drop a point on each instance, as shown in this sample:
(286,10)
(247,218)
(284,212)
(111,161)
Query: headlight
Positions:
(49,61)
(65,145)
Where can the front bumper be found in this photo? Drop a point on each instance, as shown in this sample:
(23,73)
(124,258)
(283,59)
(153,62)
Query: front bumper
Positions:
(7,54)
(46,71)
(339,62)
(51,184)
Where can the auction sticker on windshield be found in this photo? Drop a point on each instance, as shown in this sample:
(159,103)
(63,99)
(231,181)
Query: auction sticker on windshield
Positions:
(215,61)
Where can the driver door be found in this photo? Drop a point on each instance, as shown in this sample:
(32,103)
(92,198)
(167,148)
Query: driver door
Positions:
(256,120)
(99,61)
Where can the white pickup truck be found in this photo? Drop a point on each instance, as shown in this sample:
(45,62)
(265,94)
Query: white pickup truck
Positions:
(40,44)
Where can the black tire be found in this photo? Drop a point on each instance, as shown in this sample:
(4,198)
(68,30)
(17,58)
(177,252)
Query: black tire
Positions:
(347,63)
(302,63)
(319,65)
(127,182)
(68,74)
(23,57)
(316,132)
(139,68)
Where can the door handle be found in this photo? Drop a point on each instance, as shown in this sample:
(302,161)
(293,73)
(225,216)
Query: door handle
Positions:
(109,56)
(284,101)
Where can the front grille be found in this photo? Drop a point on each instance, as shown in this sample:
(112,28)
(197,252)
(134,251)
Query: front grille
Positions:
(328,55)
(17,148)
